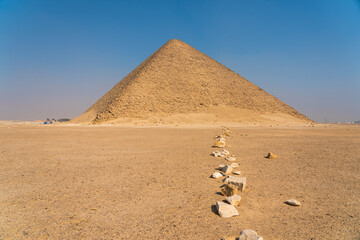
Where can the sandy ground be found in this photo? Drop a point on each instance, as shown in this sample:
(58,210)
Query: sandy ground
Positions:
(101,182)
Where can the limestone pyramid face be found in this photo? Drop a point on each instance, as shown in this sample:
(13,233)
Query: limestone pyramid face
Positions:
(180,81)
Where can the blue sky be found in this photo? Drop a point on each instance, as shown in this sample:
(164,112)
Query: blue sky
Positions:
(58,57)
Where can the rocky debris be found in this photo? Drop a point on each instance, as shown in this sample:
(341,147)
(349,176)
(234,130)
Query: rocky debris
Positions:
(230,158)
(233,200)
(217,175)
(226,210)
(237,172)
(227,169)
(249,235)
(217,154)
(240,182)
(271,156)
(234,165)
(229,190)
(293,202)
(225,152)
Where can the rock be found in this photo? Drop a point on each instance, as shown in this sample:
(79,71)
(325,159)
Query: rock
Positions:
(225,152)
(226,210)
(234,165)
(227,169)
(249,235)
(293,202)
(229,190)
(217,154)
(219,144)
(240,182)
(271,156)
(219,141)
(234,199)
(221,166)
(217,175)
(230,159)
(237,172)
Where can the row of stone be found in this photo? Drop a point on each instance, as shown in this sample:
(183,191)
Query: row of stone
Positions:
(233,184)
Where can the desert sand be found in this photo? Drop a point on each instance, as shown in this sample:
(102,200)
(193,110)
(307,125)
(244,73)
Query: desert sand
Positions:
(115,182)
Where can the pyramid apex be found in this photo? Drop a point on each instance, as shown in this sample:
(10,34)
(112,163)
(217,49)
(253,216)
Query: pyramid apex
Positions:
(174,42)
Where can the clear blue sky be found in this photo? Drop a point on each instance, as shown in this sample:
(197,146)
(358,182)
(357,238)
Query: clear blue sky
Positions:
(58,57)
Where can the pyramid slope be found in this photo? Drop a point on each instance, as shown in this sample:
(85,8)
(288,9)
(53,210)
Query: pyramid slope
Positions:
(178,79)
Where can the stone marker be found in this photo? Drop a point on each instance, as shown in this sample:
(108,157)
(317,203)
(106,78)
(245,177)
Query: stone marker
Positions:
(234,199)
(229,190)
(237,172)
(271,156)
(234,165)
(230,159)
(293,202)
(217,175)
(226,210)
(240,182)
(227,169)
(249,235)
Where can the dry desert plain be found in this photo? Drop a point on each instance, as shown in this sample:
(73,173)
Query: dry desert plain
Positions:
(113,182)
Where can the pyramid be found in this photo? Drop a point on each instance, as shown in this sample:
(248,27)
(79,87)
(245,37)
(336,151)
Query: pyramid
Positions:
(180,83)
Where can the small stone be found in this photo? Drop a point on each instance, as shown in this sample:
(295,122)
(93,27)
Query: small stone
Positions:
(240,182)
(217,175)
(237,172)
(293,202)
(227,169)
(226,210)
(221,166)
(271,156)
(225,152)
(217,154)
(230,159)
(249,235)
(229,190)
(234,165)
(234,199)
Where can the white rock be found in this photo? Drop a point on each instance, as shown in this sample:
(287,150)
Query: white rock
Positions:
(230,159)
(217,175)
(293,202)
(217,154)
(225,152)
(249,235)
(237,172)
(221,165)
(234,165)
(227,169)
(240,182)
(226,210)
(234,199)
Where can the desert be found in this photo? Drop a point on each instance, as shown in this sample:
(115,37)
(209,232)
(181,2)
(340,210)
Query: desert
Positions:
(115,182)
(179,120)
